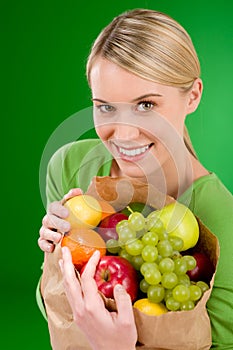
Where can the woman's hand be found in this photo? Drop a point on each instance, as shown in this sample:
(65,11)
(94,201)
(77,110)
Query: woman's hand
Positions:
(105,330)
(54,223)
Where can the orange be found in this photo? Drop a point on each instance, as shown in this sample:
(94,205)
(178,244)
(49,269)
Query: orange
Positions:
(149,308)
(107,209)
(82,243)
(84,211)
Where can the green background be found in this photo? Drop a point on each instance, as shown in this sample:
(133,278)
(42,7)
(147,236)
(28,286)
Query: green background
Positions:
(44,49)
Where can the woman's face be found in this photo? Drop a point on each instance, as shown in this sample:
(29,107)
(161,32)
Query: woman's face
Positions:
(140,122)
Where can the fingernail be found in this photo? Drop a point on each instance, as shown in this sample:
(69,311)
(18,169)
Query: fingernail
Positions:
(68,194)
(119,287)
(96,253)
(49,247)
(60,262)
(64,250)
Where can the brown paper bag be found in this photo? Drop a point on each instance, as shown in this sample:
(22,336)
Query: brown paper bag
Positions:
(181,330)
(189,330)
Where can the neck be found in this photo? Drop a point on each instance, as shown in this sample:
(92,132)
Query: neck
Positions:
(179,175)
(173,178)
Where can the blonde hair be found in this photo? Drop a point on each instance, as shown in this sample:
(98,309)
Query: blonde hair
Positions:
(153,46)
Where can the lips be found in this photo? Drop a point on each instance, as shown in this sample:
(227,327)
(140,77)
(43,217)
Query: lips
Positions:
(133,154)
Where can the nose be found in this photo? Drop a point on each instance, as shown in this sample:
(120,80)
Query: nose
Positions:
(126,132)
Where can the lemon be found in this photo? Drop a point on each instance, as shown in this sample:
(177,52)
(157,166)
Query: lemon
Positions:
(179,221)
(149,308)
(84,211)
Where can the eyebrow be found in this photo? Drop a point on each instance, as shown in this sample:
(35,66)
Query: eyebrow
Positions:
(134,100)
(145,96)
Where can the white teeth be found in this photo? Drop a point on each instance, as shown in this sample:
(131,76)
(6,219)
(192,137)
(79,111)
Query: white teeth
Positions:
(133,152)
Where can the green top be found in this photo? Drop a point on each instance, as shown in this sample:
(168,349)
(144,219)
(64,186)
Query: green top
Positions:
(213,204)
(75,164)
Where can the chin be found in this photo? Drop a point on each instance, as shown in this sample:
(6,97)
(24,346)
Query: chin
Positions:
(135,170)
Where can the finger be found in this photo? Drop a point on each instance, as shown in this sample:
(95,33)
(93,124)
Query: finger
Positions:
(46,246)
(53,222)
(71,283)
(49,235)
(72,193)
(124,304)
(90,267)
(88,283)
(56,208)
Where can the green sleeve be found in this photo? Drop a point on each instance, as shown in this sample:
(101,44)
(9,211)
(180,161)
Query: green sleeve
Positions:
(54,183)
(74,165)
(40,301)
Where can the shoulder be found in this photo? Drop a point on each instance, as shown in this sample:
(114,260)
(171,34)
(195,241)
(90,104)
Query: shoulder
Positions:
(211,189)
(213,204)
(74,165)
(206,189)
(211,201)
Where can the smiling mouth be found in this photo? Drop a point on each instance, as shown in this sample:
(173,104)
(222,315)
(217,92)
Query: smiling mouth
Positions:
(132,152)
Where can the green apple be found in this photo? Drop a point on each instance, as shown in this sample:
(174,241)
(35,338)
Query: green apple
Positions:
(179,221)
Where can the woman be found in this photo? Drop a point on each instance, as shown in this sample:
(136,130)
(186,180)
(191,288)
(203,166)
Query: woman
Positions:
(144,75)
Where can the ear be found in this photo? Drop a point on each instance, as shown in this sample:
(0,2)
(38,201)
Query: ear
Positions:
(194,96)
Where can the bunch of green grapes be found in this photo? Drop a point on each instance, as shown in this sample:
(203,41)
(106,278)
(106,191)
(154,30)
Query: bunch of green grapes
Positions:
(163,270)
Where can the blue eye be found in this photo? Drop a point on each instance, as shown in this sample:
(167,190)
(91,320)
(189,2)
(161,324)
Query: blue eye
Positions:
(106,108)
(145,106)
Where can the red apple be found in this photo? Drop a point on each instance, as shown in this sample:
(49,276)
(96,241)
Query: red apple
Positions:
(113,270)
(107,227)
(204,269)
